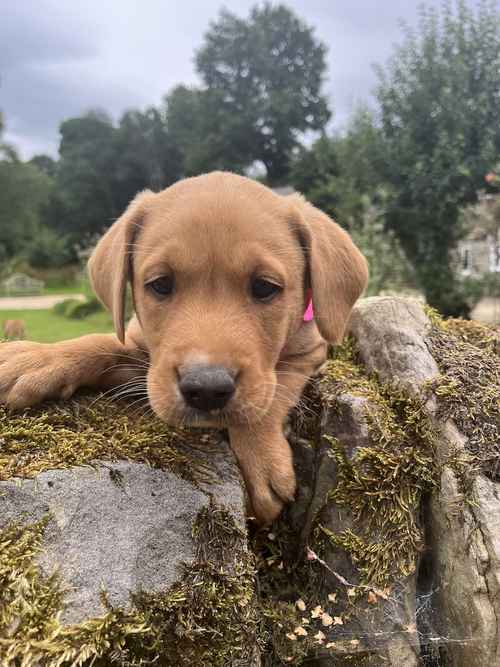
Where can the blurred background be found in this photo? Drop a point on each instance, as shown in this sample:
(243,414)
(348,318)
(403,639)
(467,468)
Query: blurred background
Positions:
(385,115)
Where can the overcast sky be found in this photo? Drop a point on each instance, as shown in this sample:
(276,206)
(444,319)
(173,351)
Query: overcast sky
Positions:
(59,58)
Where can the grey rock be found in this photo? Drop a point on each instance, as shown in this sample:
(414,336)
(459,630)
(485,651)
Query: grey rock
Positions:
(385,640)
(464,537)
(122,527)
(390,332)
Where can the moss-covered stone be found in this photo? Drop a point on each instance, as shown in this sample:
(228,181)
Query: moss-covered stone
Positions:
(468,390)
(379,487)
(382,483)
(207,618)
(64,435)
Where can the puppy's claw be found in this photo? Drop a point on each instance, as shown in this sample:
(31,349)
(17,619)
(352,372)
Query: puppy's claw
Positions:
(269,500)
(266,507)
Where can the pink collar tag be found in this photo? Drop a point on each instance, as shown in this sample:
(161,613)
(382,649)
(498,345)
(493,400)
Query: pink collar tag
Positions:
(309,314)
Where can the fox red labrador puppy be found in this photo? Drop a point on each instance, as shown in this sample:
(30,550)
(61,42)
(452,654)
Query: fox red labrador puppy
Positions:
(223,271)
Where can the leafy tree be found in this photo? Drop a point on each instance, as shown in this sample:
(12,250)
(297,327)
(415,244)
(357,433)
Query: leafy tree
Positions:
(48,249)
(439,99)
(23,191)
(389,268)
(45,163)
(145,155)
(83,202)
(339,173)
(264,75)
(201,127)
(6,150)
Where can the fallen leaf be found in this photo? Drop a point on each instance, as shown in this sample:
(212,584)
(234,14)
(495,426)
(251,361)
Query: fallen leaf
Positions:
(320,637)
(332,597)
(372,598)
(291,637)
(338,620)
(351,592)
(326,619)
(300,604)
(311,555)
(317,611)
(354,642)
(300,631)
(331,645)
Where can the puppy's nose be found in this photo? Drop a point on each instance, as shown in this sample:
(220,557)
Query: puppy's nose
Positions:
(207,387)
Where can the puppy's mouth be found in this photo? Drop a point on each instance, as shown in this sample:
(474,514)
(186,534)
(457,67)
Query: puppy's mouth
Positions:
(220,418)
(234,414)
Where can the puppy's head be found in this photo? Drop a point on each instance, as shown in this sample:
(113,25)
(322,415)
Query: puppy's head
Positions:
(221,271)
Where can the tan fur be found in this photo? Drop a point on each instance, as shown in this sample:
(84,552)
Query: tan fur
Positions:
(14,329)
(213,233)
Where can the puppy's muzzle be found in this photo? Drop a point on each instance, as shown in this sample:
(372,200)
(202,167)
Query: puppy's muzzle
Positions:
(206,388)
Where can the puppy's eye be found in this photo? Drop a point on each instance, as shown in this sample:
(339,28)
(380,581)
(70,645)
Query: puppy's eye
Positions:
(264,290)
(162,286)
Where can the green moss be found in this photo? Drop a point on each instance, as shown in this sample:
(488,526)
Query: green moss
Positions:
(381,488)
(468,389)
(30,604)
(208,618)
(62,435)
(383,483)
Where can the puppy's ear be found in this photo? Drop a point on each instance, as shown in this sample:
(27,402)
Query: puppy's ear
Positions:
(338,272)
(109,264)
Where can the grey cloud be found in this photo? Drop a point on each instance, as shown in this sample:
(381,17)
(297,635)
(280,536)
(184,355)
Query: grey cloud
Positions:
(59,58)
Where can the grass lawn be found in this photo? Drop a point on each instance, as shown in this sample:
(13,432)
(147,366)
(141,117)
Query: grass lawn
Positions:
(44,326)
(75,288)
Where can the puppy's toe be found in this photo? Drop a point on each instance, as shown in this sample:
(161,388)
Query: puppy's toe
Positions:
(284,485)
(266,506)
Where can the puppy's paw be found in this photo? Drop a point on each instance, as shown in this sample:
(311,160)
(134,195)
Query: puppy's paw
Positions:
(276,488)
(33,372)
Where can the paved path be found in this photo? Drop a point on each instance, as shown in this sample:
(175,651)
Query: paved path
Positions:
(487,310)
(35,302)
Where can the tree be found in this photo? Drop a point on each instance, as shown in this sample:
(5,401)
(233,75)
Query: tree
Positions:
(338,174)
(6,150)
(439,98)
(83,202)
(265,74)
(45,164)
(146,156)
(23,192)
(202,129)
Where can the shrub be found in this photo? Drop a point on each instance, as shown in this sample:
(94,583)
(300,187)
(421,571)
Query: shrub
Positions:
(62,307)
(82,309)
(48,249)
(75,309)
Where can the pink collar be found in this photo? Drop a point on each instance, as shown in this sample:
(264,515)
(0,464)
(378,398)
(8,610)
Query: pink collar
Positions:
(309,313)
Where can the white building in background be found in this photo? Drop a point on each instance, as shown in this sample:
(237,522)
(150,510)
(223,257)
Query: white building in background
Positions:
(479,251)
(479,256)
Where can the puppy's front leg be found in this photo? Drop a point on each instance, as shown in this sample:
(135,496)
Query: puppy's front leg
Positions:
(263,453)
(33,372)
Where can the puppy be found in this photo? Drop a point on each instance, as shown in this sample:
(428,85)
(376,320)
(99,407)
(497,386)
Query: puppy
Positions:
(14,329)
(222,272)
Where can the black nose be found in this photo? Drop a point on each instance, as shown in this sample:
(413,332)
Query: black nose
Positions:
(206,387)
